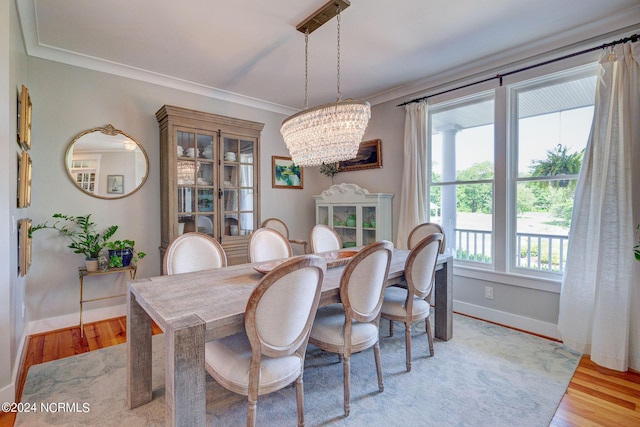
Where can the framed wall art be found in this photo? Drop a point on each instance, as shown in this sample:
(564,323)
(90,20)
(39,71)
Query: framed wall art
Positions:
(369,157)
(286,174)
(24,180)
(115,184)
(24,246)
(24,119)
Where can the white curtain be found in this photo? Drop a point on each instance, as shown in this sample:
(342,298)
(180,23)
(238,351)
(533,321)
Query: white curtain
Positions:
(599,307)
(414,205)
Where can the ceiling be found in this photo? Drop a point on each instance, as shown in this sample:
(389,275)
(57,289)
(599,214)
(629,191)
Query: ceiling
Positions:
(248,51)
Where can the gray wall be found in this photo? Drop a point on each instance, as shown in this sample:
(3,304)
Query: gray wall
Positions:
(12,287)
(68,100)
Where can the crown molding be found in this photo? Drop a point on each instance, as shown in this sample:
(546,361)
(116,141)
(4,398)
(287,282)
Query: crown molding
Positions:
(28,21)
(583,37)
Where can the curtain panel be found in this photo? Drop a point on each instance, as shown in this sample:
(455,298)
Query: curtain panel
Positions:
(599,299)
(414,204)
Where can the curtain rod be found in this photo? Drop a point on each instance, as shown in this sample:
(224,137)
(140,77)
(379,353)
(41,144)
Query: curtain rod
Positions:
(634,38)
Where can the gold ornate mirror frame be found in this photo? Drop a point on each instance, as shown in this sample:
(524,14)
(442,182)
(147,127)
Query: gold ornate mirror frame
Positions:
(106,163)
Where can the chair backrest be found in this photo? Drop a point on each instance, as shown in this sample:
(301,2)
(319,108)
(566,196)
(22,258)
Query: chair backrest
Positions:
(363,281)
(283,305)
(420,266)
(276,224)
(423,230)
(193,252)
(324,238)
(266,244)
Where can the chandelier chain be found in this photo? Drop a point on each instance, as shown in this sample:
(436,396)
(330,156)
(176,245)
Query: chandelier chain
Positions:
(338,95)
(306,69)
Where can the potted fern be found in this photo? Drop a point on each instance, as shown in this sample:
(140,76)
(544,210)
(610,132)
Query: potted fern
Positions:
(83,233)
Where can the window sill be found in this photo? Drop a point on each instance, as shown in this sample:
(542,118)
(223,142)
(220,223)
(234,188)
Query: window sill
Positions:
(513,279)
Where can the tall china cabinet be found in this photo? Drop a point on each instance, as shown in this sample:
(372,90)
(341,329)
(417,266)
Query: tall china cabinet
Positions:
(358,216)
(209,178)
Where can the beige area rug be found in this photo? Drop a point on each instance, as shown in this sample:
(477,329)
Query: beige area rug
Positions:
(486,375)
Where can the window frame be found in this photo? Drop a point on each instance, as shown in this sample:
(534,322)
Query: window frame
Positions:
(505,181)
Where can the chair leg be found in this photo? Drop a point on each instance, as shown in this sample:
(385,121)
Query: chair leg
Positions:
(346,364)
(390,327)
(407,344)
(300,400)
(430,335)
(376,353)
(251,413)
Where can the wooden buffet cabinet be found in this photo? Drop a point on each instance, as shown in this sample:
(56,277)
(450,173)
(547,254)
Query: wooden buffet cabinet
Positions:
(209,178)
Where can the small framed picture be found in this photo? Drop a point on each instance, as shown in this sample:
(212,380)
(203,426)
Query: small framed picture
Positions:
(24,246)
(369,157)
(115,184)
(286,174)
(24,180)
(24,119)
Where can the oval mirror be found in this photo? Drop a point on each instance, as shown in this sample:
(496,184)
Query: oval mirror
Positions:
(107,163)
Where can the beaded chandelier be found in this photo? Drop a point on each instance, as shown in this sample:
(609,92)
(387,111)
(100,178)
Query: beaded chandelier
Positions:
(331,132)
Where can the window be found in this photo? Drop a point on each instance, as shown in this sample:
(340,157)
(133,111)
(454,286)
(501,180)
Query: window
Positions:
(462,172)
(503,171)
(552,119)
(84,172)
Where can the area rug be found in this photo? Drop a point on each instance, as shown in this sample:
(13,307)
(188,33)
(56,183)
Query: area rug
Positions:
(486,375)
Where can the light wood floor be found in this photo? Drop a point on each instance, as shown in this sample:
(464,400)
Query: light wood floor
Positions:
(595,396)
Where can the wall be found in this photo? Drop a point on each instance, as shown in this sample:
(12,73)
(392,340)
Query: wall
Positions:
(68,100)
(11,286)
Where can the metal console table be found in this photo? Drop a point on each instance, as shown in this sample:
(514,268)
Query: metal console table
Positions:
(82,273)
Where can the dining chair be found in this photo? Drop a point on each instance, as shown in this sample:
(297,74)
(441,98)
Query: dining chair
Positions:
(412,303)
(352,325)
(269,354)
(324,238)
(266,244)
(421,231)
(279,225)
(193,251)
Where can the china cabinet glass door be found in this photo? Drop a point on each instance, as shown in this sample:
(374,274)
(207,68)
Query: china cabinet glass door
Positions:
(238,183)
(196,182)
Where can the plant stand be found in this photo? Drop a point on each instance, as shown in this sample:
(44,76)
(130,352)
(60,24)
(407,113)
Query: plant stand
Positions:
(82,273)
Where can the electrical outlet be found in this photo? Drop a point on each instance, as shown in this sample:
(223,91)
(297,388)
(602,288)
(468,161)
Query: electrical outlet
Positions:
(488,292)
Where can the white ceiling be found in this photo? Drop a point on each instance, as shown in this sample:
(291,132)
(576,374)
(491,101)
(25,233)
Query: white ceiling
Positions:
(248,51)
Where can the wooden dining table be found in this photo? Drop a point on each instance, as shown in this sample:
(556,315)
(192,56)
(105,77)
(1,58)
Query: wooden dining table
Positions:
(193,308)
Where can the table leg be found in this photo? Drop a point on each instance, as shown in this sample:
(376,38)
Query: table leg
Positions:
(444,301)
(185,376)
(139,359)
(81,289)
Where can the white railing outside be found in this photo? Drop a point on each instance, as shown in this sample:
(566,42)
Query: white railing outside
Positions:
(543,252)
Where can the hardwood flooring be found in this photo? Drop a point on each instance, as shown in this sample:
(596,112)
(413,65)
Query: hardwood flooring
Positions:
(595,396)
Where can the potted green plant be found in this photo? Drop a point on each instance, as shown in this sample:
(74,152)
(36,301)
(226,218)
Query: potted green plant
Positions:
(81,230)
(122,253)
(330,169)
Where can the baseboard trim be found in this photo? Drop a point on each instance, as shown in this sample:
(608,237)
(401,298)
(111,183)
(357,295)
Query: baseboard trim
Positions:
(515,321)
(70,320)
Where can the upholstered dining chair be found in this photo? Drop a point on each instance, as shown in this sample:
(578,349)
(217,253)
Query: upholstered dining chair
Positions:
(269,354)
(412,303)
(352,325)
(421,231)
(266,244)
(324,238)
(279,225)
(193,251)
